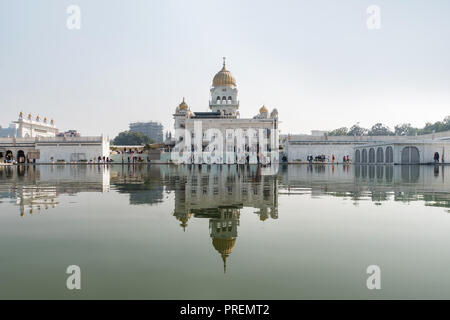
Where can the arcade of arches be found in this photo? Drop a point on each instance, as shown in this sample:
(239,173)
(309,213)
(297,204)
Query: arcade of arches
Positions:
(410,155)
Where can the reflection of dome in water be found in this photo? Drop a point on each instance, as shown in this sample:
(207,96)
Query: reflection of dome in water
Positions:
(225,248)
(184,220)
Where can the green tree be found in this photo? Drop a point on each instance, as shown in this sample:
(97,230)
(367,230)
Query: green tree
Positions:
(405,129)
(356,130)
(338,132)
(127,138)
(380,129)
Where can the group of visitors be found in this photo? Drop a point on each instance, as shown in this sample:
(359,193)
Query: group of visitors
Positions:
(323,158)
(101,160)
(134,159)
(130,151)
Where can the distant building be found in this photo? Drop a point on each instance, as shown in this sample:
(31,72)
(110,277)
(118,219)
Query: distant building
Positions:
(68,133)
(8,132)
(152,129)
(318,133)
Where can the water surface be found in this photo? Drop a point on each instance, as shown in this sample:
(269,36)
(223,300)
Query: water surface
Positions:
(224,232)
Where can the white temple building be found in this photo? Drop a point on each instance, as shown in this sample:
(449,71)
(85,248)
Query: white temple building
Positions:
(242,140)
(35,140)
(31,128)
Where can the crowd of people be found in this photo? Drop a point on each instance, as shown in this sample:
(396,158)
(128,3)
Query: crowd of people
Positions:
(324,158)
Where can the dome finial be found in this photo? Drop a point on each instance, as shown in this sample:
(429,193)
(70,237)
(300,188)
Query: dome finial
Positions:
(224,58)
(224,258)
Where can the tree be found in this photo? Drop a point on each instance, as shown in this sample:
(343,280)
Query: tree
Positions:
(356,130)
(127,138)
(447,121)
(338,132)
(405,129)
(380,129)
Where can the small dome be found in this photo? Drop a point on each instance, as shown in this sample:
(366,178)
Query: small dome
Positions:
(45,119)
(38,118)
(274,113)
(30,116)
(21,114)
(183,105)
(263,109)
(224,78)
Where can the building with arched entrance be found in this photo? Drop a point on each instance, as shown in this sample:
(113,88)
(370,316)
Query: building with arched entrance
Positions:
(35,141)
(221,136)
(367,149)
(404,152)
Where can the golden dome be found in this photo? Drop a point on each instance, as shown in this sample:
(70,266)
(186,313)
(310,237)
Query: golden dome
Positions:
(38,118)
(45,119)
(263,110)
(183,105)
(225,248)
(21,114)
(30,116)
(224,78)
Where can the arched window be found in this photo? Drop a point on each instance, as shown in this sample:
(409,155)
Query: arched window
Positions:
(9,155)
(230,100)
(371,155)
(21,156)
(358,156)
(224,100)
(410,155)
(389,155)
(218,100)
(380,155)
(364,156)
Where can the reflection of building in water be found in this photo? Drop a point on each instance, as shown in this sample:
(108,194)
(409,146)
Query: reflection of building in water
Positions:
(377,182)
(143,183)
(36,188)
(34,199)
(218,193)
(223,231)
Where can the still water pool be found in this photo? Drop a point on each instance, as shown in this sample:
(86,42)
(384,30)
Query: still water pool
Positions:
(224,232)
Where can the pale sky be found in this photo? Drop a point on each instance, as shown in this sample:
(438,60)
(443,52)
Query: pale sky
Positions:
(315,61)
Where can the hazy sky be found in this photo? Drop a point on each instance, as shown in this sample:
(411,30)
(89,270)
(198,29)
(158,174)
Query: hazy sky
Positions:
(315,61)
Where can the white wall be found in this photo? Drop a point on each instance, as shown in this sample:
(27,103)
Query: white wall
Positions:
(296,152)
(73,149)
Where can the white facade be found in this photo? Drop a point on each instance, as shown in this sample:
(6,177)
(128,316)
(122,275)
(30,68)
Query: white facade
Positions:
(220,136)
(54,150)
(31,128)
(75,149)
(35,141)
(297,148)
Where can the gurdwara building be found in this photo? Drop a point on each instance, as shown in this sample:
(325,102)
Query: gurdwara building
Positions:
(220,135)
